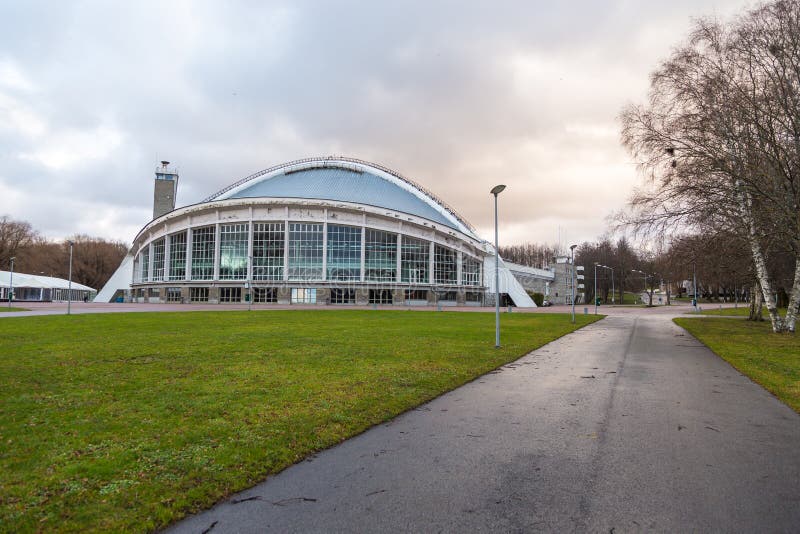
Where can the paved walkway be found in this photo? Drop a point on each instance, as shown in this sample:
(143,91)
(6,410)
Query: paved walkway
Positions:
(627,425)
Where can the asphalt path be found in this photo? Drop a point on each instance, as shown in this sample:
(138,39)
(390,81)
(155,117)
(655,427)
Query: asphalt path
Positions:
(628,425)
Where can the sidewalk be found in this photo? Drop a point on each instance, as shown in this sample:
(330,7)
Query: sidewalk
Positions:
(626,425)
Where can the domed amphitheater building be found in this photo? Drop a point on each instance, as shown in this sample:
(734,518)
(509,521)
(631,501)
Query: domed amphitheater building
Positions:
(329,230)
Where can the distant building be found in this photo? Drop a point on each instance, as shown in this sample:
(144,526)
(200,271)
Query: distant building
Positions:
(38,288)
(329,230)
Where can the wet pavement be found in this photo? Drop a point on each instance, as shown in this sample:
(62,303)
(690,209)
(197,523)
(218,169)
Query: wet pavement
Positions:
(628,425)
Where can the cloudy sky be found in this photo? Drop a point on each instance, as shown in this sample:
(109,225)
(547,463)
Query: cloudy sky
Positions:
(458,96)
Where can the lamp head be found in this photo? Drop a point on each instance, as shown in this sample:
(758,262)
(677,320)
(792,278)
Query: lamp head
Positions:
(496,190)
(573,247)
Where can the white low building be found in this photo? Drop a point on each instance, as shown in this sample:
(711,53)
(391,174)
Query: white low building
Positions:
(38,288)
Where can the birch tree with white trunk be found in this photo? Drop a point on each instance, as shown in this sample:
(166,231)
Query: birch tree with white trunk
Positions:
(719,140)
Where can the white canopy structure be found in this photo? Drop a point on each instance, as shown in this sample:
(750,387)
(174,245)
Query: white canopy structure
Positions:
(34,287)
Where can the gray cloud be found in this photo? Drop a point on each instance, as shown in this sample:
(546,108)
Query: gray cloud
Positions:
(456,96)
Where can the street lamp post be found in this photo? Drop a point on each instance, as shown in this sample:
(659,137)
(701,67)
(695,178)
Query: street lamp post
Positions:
(612,285)
(644,279)
(69,286)
(595,287)
(11,283)
(572,295)
(496,190)
(612,279)
(694,284)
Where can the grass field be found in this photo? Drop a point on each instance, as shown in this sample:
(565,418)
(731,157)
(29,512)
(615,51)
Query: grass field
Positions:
(113,422)
(12,309)
(772,360)
(742,311)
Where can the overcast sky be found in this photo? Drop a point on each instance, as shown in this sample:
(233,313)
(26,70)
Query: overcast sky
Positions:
(458,96)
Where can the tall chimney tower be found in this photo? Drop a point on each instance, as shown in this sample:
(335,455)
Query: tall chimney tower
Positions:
(165,190)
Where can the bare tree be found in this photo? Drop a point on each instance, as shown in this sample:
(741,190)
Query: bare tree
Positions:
(530,254)
(720,140)
(14,236)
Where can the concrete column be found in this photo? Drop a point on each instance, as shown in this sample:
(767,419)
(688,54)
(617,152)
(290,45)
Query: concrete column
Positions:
(398,297)
(151,262)
(216,251)
(461,297)
(363,252)
(166,258)
(459,267)
(323,295)
(250,248)
(284,295)
(362,296)
(286,248)
(399,276)
(431,264)
(325,247)
(188,254)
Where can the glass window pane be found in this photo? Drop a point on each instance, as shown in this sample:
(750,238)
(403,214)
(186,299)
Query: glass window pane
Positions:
(158,259)
(144,264)
(470,271)
(445,270)
(305,251)
(233,251)
(177,256)
(344,252)
(380,259)
(203,240)
(414,260)
(268,246)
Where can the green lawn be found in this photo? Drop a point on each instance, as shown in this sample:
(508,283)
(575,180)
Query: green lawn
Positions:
(12,309)
(772,360)
(113,422)
(742,311)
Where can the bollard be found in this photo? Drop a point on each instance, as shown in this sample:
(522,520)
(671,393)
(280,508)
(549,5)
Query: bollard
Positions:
(586,311)
(509,309)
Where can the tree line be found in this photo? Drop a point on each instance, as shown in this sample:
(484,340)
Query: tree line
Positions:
(94,259)
(719,144)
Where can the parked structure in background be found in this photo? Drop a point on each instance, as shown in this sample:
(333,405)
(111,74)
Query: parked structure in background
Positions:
(328,230)
(40,288)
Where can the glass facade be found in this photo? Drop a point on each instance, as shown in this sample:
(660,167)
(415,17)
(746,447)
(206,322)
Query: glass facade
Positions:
(344,252)
(297,252)
(198,294)
(343,296)
(203,241)
(173,294)
(230,294)
(415,255)
(305,251)
(380,296)
(445,268)
(380,256)
(470,271)
(177,256)
(268,246)
(265,294)
(233,251)
(158,260)
(144,264)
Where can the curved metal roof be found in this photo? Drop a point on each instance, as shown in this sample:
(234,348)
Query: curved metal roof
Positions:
(347,180)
